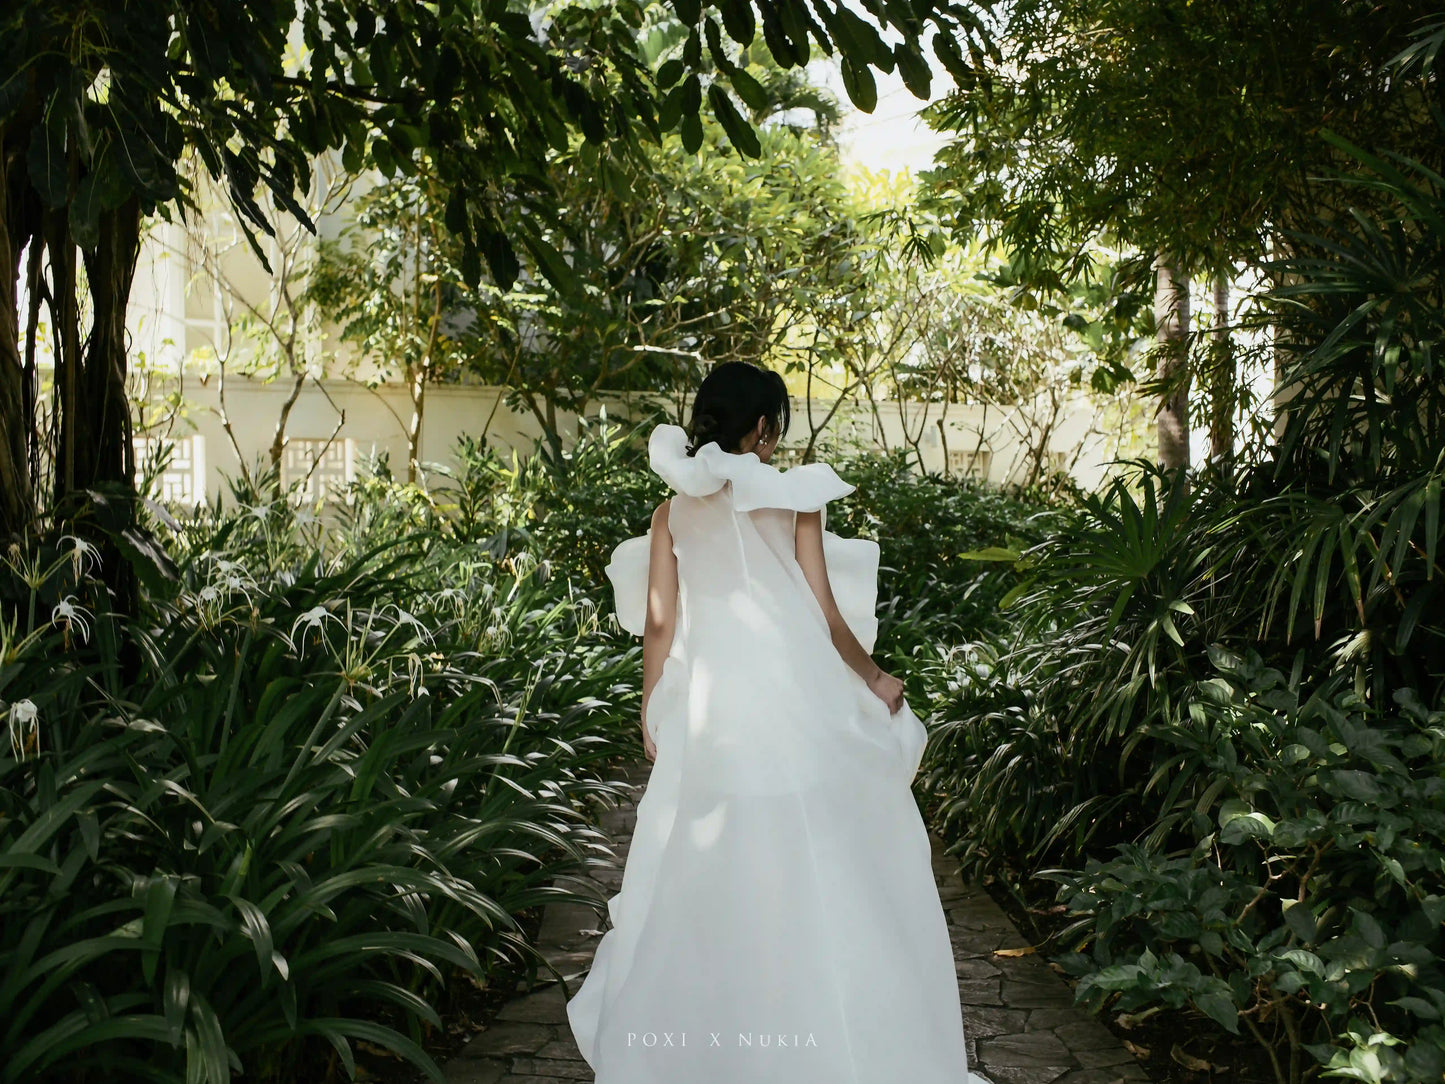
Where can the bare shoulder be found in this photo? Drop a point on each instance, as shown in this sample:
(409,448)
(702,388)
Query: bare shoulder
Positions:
(659,515)
(808,534)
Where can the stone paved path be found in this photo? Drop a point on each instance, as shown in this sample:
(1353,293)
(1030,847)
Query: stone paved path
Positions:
(1019,1016)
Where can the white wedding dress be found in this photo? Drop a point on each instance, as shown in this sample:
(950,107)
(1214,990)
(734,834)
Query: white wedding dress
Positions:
(778,920)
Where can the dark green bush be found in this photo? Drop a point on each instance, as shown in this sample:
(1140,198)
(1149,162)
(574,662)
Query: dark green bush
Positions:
(335,781)
(1077,739)
(1308,910)
(570,508)
(924,525)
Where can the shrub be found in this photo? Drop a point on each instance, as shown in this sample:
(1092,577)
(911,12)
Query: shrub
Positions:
(1270,858)
(329,785)
(925,526)
(1308,910)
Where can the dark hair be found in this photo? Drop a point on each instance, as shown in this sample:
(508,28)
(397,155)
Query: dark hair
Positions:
(729,402)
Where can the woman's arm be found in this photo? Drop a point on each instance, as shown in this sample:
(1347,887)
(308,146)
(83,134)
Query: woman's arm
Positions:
(661,620)
(809,545)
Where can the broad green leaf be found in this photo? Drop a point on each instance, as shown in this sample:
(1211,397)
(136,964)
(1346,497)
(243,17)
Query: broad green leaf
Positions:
(739,131)
(991,553)
(749,89)
(916,73)
(740,22)
(858,82)
(1219,1006)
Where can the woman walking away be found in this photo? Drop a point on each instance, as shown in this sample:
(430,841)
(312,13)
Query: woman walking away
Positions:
(778,920)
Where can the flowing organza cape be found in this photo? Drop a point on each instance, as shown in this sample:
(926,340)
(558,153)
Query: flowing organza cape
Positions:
(852,562)
(778,921)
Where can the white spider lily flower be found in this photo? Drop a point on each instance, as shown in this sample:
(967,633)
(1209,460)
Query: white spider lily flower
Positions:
(587,613)
(230,577)
(497,637)
(313,619)
(24,722)
(404,618)
(75,617)
(453,597)
(84,557)
(416,676)
(233,574)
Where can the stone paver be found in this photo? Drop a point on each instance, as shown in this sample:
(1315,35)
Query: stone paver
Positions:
(1019,1016)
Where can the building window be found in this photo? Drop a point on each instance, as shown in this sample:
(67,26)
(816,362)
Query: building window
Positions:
(969,462)
(176,467)
(319,469)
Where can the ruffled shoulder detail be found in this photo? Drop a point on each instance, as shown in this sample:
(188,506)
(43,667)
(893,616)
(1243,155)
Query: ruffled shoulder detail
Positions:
(852,574)
(804,488)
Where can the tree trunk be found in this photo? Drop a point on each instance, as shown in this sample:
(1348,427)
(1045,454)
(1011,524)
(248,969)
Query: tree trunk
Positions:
(1222,380)
(96,431)
(16,494)
(65,328)
(95,459)
(417,380)
(1281,250)
(278,440)
(1171,316)
(554,438)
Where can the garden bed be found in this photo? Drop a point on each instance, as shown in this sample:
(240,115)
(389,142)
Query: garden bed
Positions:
(1173,1046)
(473,1007)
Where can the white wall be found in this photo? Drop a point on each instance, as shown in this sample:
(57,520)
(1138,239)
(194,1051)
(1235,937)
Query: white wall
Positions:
(362,422)
(178,328)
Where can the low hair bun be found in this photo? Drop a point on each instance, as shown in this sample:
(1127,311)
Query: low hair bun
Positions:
(729,402)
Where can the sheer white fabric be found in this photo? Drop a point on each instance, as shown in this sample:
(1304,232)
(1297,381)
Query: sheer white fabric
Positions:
(778,921)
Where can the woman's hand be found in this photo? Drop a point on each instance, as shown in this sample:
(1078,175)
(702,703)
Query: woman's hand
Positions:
(648,746)
(888,689)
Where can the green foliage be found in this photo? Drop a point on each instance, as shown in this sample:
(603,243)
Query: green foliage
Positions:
(1358,306)
(102,102)
(1104,310)
(1263,849)
(341,771)
(1191,129)
(1116,598)
(393,278)
(581,503)
(1309,909)
(373,81)
(675,258)
(790,27)
(393,284)
(569,508)
(105,105)
(925,525)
